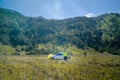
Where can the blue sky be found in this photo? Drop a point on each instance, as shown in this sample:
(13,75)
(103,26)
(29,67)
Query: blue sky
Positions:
(60,9)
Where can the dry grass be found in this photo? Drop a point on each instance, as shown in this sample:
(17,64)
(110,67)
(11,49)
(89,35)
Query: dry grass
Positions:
(92,67)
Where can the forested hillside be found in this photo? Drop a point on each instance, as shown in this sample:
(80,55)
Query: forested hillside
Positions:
(23,33)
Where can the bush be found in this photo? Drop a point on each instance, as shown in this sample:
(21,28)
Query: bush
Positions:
(16,53)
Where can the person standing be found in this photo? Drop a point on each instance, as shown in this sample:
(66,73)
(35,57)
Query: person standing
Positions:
(65,55)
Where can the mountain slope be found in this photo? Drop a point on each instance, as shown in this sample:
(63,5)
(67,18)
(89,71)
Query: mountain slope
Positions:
(100,33)
(11,31)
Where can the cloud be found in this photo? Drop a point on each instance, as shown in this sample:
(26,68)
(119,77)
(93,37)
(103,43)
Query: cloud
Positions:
(55,10)
(57,5)
(90,15)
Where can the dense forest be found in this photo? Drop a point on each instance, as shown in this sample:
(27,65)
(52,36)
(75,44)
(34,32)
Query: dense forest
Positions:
(22,33)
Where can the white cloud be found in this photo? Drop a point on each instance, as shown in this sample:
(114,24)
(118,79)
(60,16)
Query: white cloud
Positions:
(54,10)
(57,11)
(57,5)
(90,15)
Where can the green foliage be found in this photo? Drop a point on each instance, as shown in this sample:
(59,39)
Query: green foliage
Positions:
(100,33)
(110,27)
(6,50)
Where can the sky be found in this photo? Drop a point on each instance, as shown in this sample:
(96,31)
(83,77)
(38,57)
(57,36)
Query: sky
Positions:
(60,9)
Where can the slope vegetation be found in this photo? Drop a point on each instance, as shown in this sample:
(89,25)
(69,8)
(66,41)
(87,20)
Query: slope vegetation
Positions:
(27,33)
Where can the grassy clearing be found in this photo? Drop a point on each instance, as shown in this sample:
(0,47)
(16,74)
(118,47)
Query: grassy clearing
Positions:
(92,67)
